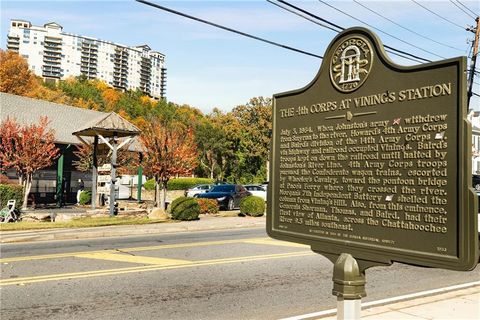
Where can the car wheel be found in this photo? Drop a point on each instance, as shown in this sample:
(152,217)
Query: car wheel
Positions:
(230,205)
(477,187)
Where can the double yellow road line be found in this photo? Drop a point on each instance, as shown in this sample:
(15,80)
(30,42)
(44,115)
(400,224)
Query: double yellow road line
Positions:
(152,263)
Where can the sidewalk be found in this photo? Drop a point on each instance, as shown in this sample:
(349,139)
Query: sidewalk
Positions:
(459,303)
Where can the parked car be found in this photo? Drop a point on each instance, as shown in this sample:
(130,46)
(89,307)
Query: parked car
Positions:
(228,196)
(198,189)
(257,190)
(476,186)
(476,182)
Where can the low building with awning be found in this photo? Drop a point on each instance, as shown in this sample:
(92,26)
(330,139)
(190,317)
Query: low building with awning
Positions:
(73,126)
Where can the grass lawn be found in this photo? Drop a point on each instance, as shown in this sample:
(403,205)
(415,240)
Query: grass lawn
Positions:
(76,223)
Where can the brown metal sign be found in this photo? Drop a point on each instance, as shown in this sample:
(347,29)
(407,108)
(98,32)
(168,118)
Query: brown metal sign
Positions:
(374,159)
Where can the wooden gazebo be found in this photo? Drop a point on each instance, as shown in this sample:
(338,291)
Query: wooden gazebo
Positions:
(110,129)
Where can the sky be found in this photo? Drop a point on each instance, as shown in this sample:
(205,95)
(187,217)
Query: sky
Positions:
(211,68)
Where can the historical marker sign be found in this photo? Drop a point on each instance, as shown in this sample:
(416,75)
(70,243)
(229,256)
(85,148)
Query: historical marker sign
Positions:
(374,159)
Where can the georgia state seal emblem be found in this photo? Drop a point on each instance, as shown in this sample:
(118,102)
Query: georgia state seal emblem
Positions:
(351,63)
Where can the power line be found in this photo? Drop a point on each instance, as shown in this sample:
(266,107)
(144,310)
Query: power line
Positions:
(367,24)
(467,13)
(449,21)
(228,29)
(473,12)
(403,27)
(389,49)
(307,18)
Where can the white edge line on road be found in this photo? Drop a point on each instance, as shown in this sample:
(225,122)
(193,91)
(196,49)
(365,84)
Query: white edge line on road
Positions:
(370,304)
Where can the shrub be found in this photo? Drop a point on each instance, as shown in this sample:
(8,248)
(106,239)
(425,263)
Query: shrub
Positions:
(149,184)
(185,183)
(9,192)
(207,206)
(85,197)
(5,180)
(184,208)
(252,206)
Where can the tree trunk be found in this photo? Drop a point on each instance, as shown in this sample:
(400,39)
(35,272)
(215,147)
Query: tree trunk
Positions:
(26,189)
(164,196)
(157,193)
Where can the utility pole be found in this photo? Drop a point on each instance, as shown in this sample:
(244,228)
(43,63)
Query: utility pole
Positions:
(473,61)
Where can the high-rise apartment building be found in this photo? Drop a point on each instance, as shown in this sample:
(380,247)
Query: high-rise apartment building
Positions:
(56,55)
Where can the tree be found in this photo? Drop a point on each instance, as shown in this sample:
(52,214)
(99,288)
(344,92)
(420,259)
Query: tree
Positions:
(26,149)
(213,144)
(169,151)
(255,119)
(15,77)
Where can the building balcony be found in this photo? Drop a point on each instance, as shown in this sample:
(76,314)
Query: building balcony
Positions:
(51,61)
(89,60)
(55,55)
(120,70)
(53,74)
(13,41)
(13,46)
(88,69)
(52,49)
(53,40)
(146,75)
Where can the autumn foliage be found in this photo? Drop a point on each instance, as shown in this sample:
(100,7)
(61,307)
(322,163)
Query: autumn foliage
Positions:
(15,78)
(169,151)
(231,146)
(26,149)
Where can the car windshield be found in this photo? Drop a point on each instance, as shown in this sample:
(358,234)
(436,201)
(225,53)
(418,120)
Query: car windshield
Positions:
(223,188)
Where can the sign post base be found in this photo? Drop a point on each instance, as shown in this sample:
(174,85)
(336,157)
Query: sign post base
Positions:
(348,309)
(349,287)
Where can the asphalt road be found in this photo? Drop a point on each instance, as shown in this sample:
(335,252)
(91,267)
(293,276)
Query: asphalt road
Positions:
(239,274)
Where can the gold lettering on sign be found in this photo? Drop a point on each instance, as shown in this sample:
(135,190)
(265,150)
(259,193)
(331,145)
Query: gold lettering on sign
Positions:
(389,174)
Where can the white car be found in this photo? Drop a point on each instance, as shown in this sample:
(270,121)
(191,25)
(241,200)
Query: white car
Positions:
(198,189)
(257,190)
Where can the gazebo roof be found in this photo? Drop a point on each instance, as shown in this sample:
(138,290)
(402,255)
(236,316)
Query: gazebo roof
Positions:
(108,126)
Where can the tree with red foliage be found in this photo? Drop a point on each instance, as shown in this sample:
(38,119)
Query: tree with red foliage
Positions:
(169,152)
(26,149)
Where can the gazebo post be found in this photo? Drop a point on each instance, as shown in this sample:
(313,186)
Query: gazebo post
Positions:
(94,173)
(139,178)
(113,177)
(60,184)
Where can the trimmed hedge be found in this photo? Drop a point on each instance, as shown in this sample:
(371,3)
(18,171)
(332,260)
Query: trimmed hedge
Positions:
(207,206)
(85,197)
(9,192)
(252,206)
(185,209)
(149,184)
(185,183)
